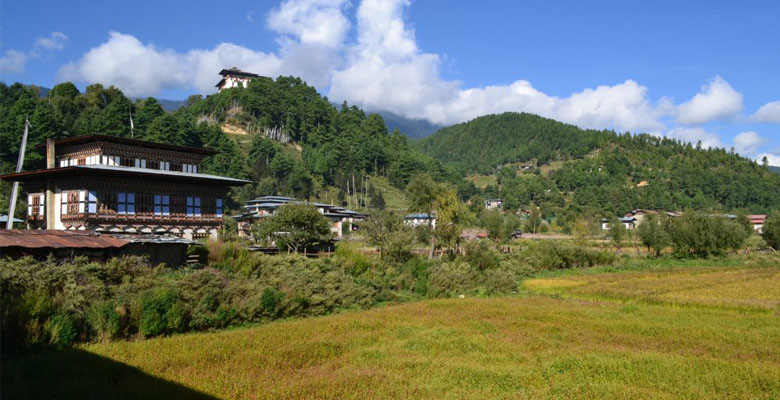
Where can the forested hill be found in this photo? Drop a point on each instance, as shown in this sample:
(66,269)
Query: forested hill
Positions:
(601,169)
(286,137)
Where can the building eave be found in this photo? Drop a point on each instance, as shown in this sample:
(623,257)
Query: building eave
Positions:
(129,172)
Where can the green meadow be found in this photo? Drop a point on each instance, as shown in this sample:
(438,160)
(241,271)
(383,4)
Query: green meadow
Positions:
(694,333)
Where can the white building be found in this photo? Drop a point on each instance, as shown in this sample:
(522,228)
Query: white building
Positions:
(415,220)
(234,77)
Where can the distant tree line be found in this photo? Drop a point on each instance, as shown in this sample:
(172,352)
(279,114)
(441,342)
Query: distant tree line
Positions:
(559,167)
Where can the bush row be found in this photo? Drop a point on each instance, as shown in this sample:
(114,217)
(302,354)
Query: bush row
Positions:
(60,303)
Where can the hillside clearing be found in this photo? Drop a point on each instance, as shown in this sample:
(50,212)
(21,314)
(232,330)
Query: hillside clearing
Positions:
(537,347)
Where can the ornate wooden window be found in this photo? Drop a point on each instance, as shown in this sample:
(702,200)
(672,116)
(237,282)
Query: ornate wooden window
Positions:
(162,204)
(144,203)
(35,205)
(125,203)
(193,206)
(178,205)
(127,162)
(175,167)
(152,164)
(107,202)
(71,203)
(92,202)
(82,161)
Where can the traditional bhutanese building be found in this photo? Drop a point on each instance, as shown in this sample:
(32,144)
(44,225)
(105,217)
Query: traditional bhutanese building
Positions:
(234,77)
(264,207)
(112,184)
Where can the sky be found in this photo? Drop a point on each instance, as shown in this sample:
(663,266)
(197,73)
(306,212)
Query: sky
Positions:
(704,71)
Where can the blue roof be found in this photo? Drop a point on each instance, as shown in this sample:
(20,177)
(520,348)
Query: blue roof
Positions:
(420,216)
(4,219)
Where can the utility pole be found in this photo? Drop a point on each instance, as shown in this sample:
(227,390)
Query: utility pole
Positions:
(132,126)
(15,190)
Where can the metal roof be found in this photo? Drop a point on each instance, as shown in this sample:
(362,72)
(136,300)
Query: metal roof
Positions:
(4,219)
(57,239)
(420,216)
(150,238)
(236,71)
(144,172)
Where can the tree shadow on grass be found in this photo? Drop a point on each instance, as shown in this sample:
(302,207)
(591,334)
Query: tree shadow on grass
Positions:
(78,374)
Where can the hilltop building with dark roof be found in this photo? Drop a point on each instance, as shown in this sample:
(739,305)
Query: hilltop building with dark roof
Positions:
(110,184)
(234,77)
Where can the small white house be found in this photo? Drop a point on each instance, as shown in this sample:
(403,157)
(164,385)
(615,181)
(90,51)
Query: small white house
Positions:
(491,204)
(420,219)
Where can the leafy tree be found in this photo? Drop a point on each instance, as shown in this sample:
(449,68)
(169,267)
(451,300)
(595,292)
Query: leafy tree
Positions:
(377,200)
(702,235)
(771,231)
(297,227)
(423,193)
(653,234)
(617,233)
(380,229)
(534,220)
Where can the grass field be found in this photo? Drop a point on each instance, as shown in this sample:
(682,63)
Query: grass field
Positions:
(749,288)
(572,340)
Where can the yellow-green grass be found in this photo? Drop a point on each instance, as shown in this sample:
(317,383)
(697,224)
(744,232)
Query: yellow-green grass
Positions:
(500,348)
(746,288)
(394,197)
(481,181)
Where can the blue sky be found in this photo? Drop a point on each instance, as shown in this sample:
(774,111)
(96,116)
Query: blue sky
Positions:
(692,70)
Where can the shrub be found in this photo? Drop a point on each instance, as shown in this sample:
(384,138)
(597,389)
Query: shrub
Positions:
(771,231)
(480,256)
(269,301)
(702,235)
(549,254)
(162,313)
(104,321)
(62,330)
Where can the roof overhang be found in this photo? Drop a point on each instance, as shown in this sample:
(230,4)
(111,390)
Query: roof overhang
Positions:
(124,172)
(132,142)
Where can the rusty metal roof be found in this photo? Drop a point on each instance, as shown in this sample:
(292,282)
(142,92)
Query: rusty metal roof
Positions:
(57,239)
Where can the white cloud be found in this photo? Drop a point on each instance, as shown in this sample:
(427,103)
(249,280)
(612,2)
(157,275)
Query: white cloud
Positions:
(55,41)
(694,135)
(386,70)
(747,143)
(717,100)
(313,22)
(143,69)
(769,112)
(383,68)
(312,32)
(249,16)
(14,61)
(774,159)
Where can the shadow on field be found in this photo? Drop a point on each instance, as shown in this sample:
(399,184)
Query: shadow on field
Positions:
(77,374)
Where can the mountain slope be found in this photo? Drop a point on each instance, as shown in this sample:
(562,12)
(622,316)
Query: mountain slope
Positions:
(601,170)
(412,128)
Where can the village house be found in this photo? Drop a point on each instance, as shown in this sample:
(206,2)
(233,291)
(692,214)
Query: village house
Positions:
(234,77)
(418,219)
(341,218)
(111,184)
(757,221)
(492,204)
